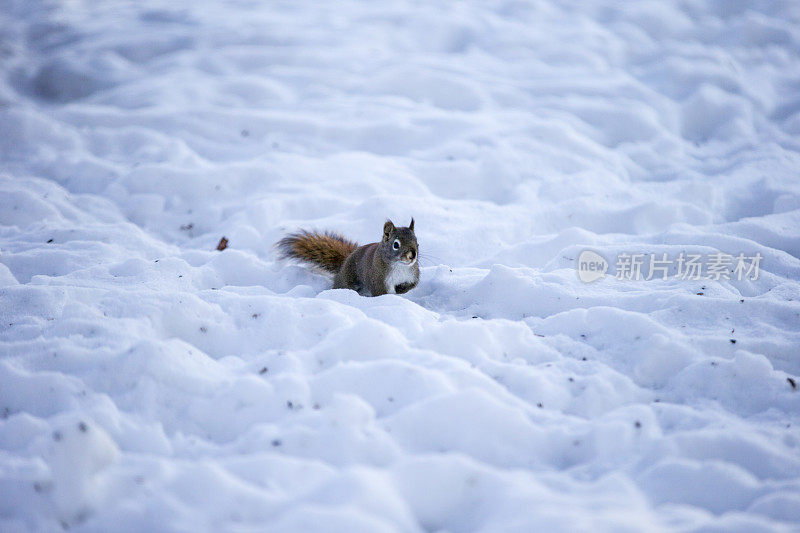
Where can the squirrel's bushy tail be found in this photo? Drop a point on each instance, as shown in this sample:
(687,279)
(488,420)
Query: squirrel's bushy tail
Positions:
(324,250)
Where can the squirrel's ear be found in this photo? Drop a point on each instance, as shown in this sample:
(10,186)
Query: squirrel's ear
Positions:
(411,226)
(388,229)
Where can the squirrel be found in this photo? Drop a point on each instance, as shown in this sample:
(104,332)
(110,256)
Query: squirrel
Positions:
(389,266)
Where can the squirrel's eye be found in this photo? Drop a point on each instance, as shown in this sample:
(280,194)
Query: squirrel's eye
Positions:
(396,244)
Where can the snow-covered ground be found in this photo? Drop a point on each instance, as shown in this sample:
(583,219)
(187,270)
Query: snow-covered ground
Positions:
(149,382)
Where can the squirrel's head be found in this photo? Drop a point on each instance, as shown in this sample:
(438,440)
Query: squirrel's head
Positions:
(399,244)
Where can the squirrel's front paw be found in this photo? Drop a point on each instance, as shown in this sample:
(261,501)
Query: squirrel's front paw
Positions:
(404,287)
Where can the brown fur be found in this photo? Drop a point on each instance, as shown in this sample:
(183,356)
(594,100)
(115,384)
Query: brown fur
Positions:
(324,250)
(362,270)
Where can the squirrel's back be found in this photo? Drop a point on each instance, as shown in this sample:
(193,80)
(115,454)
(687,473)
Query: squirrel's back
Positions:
(326,250)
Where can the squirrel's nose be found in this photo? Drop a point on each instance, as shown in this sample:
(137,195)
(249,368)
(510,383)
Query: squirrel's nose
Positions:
(411,254)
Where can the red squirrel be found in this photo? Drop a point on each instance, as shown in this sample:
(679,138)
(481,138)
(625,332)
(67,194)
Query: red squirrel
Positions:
(389,266)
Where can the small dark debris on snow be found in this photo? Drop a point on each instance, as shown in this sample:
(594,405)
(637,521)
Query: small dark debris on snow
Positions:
(792,382)
(276,442)
(203,329)
(37,487)
(187,227)
(637,424)
(223,243)
(245,133)
(57,436)
(713,363)
(315,407)
(733,341)
(263,370)
(256,315)
(83,427)
(583,359)
(49,241)
(390,399)
(741,301)
(539,405)
(571,380)
(699,293)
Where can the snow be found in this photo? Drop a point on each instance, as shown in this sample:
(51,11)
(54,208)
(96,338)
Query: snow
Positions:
(149,382)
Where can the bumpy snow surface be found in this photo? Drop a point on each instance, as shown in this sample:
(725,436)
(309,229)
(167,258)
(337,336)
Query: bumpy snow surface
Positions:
(149,382)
